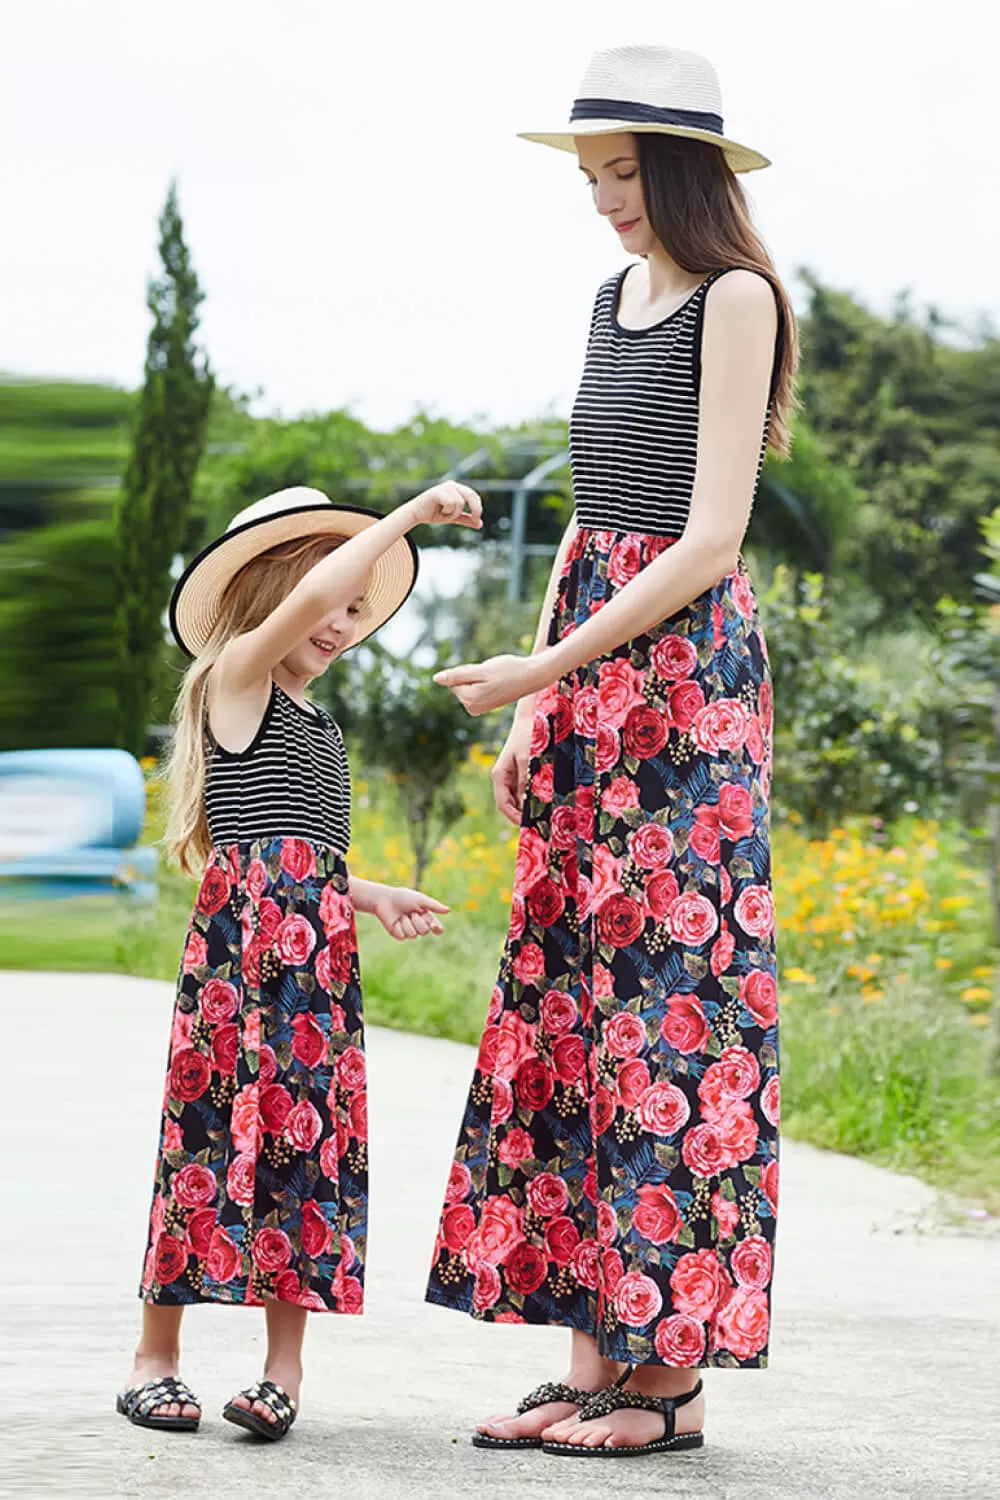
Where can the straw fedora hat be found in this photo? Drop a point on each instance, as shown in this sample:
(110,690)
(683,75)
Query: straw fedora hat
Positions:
(283,517)
(650,90)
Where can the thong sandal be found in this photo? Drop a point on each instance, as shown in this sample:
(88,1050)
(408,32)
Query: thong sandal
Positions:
(552,1390)
(275,1398)
(603,1403)
(140,1401)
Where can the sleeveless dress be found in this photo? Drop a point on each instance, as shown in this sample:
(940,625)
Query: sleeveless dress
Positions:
(617,1166)
(261,1185)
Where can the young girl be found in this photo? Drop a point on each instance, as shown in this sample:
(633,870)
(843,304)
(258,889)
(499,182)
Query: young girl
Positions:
(260,1195)
(617,1166)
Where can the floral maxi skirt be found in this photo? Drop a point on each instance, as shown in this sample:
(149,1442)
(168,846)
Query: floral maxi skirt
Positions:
(261,1186)
(617,1166)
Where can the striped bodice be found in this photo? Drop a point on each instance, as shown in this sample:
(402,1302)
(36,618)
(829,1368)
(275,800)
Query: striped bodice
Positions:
(634,426)
(291,781)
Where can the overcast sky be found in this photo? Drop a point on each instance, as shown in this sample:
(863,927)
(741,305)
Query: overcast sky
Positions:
(368,229)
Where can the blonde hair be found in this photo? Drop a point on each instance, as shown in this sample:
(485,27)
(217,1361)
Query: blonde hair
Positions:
(250,596)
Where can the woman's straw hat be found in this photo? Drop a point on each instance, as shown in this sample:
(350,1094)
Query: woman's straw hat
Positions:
(284,517)
(650,90)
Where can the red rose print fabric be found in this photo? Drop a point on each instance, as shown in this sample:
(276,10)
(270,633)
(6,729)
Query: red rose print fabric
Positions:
(617,1167)
(261,1186)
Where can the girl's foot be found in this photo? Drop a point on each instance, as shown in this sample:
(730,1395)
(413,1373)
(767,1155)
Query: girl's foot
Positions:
(158,1367)
(634,1428)
(288,1376)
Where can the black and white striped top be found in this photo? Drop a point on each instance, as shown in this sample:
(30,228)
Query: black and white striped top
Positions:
(634,426)
(292,780)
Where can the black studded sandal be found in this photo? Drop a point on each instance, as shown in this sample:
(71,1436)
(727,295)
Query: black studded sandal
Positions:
(275,1398)
(140,1401)
(615,1399)
(552,1390)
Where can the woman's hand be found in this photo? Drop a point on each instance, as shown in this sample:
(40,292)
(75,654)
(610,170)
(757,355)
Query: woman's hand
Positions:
(447,504)
(510,770)
(405,913)
(490,684)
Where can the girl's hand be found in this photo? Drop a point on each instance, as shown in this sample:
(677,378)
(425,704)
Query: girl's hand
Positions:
(510,771)
(492,683)
(407,914)
(447,504)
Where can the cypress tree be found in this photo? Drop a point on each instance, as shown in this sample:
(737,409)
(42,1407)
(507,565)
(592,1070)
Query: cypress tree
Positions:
(155,499)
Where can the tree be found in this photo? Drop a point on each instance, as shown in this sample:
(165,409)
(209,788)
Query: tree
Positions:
(155,499)
(419,733)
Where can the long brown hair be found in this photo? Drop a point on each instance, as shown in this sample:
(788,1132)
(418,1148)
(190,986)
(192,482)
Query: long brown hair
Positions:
(247,600)
(698,211)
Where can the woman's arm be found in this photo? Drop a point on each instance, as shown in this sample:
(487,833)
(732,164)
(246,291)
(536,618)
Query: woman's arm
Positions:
(510,769)
(737,353)
(339,577)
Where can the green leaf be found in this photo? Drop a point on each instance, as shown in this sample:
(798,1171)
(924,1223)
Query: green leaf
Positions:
(667,1156)
(640,1348)
(695,965)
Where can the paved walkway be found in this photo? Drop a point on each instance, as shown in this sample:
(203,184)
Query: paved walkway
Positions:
(884,1377)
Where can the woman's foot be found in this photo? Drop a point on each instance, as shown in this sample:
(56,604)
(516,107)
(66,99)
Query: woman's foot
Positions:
(149,1367)
(588,1371)
(634,1428)
(285,1374)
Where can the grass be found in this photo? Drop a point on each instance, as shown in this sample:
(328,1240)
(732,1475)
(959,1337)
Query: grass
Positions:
(886,979)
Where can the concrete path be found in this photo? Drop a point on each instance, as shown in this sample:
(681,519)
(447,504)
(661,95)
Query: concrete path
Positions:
(884,1378)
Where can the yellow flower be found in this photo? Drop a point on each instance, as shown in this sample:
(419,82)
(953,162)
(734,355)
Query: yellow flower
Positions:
(148,762)
(874,958)
(942,963)
(975,993)
(983,971)
(870,993)
(798,976)
(980,1018)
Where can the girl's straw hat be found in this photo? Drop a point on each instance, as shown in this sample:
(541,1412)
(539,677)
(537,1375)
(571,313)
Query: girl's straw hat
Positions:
(650,90)
(284,517)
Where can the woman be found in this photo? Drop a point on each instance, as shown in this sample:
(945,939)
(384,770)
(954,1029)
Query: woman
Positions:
(617,1168)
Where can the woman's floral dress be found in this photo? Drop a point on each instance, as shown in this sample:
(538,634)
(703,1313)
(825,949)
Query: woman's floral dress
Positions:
(617,1165)
(261,1182)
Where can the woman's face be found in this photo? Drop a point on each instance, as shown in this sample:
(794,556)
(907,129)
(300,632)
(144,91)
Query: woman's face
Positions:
(610,163)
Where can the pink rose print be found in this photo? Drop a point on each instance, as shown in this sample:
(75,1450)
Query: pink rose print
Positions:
(298,859)
(619,687)
(637,1299)
(303,1126)
(759,994)
(625,559)
(663,1109)
(498,1231)
(529,964)
(487,1289)
(195,952)
(741,1323)
(586,1263)
(272,1251)
(652,846)
(257,880)
(645,732)
(697,1282)
(770,1100)
(754,911)
(309,1042)
(561,1240)
(727,1215)
(620,796)
(559,1012)
(526,1270)
(516,1147)
(459,1182)
(223,1259)
(607,750)
(625,1035)
(673,657)
(693,919)
(548,1195)
(656,1215)
(218,1001)
(633,1081)
(685,700)
(751,1263)
(240,1179)
(457,1224)
(194,1186)
(295,940)
(541,783)
(721,725)
(585,711)
(661,893)
(684,1026)
(679,1341)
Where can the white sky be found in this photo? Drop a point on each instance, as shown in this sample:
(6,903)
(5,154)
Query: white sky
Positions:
(367,227)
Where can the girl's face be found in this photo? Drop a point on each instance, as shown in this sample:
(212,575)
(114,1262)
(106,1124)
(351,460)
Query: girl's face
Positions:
(332,636)
(610,164)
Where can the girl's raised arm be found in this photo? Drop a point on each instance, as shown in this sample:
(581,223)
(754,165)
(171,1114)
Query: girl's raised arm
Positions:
(336,579)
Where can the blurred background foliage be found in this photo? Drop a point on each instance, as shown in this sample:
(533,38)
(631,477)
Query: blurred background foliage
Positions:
(876,554)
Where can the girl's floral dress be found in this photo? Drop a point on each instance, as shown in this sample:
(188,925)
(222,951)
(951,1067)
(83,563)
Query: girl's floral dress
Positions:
(261,1182)
(617,1165)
